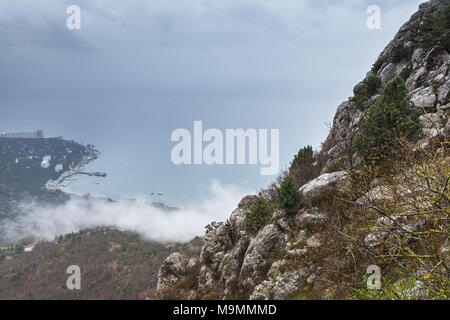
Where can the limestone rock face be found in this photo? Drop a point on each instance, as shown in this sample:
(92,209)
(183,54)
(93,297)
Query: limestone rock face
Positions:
(280,286)
(231,263)
(263,291)
(430,120)
(260,250)
(423,98)
(313,242)
(416,79)
(286,284)
(426,73)
(172,269)
(309,217)
(433,124)
(319,185)
(227,245)
(383,231)
(236,219)
(443,93)
(391,71)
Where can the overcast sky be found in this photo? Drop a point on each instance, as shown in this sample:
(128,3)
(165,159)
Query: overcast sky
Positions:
(137,70)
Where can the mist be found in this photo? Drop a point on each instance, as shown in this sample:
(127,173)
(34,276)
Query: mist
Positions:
(137,215)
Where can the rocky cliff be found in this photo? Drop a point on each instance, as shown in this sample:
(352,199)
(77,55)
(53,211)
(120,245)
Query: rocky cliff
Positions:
(424,67)
(347,222)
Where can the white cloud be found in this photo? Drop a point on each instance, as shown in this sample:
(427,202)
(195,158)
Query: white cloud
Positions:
(138,215)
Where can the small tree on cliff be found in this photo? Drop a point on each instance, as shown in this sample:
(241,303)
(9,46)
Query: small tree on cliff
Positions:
(302,168)
(257,215)
(288,195)
(434,31)
(388,121)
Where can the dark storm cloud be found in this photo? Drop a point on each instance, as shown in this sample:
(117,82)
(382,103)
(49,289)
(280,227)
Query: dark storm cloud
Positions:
(138,69)
(229,47)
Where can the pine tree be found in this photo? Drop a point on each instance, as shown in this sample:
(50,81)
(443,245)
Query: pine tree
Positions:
(288,195)
(388,121)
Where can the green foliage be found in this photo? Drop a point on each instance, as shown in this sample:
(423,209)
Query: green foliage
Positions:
(208,257)
(397,54)
(400,53)
(19,247)
(370,87)
(24,177)
(14,277)
(302,168)
(334,167)
(390,119)
(435,30)
(125,257)
(288,195)
(305,156)
(379,63)
(257,215)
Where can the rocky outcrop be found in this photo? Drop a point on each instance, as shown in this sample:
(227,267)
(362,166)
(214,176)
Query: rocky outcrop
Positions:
(228,244)
(172,269)
(260,250)
(290,252)
(321,184)
(279,287)
(254,267)
(385,231)
(426,72)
